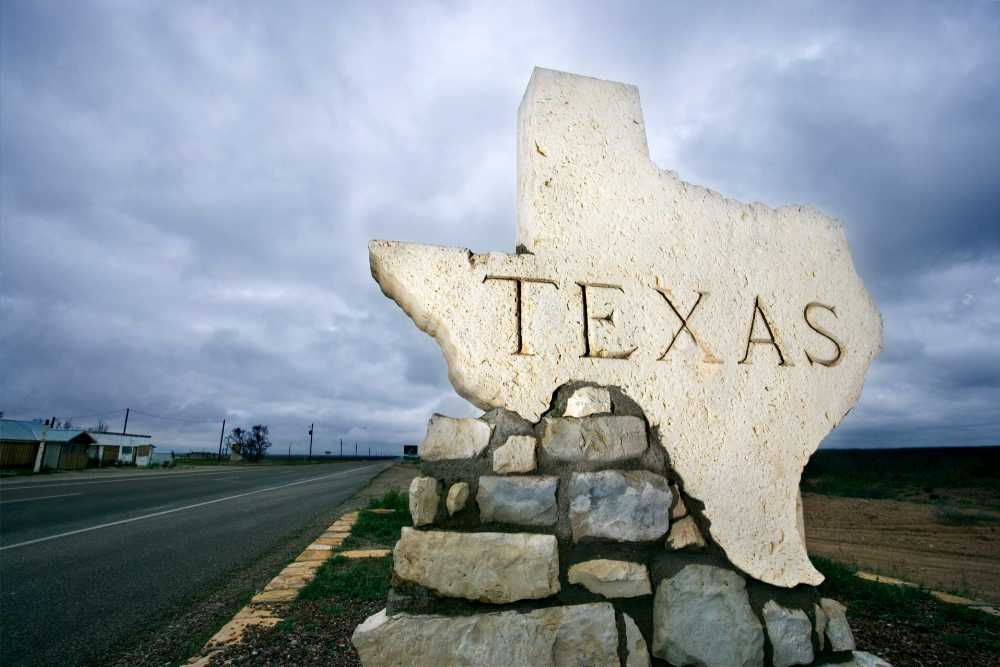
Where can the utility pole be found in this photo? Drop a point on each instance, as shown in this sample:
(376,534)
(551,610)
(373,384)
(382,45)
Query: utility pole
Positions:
(125,426)
(221,433)
(289,450)
(341,448)
(310,441)
(355,449)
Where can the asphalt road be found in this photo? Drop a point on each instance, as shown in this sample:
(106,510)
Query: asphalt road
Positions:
(87,559)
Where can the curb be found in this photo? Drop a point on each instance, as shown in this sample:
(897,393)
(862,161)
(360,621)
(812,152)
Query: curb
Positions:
(285,586)
(947,598)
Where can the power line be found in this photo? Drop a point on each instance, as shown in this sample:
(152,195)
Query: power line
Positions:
(176,419)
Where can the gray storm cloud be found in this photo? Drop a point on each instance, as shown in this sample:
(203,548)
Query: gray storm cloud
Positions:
(186,192)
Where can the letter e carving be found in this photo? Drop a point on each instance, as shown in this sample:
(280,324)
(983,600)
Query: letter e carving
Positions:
(588,351)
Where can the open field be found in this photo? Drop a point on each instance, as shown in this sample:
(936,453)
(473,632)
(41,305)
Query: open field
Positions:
(927,516)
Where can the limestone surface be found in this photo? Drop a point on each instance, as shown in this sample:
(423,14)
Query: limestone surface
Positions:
(489,567)
(606,439)
(451,438)
(627,506)
(838,632)
(702,616)
(637,653)
(743,331)
(684,534)
(458,495)
(517,454)
(579,635)
(528,501)
(611,578)
(423,499)
(790,632)
(587,401)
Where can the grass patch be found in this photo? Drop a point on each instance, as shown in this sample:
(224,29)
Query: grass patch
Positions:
(377,530)
(363,579)
(392,500)
(958,626)
(960,475)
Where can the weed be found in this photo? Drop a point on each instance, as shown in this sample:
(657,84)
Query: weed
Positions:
(365,579)
(392,500)
(959,626)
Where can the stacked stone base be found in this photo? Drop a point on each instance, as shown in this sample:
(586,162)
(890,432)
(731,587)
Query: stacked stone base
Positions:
(571,542)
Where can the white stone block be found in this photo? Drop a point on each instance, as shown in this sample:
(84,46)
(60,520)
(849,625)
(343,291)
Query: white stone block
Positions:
(517,454)
(488,567)
(451,438)
(587,401)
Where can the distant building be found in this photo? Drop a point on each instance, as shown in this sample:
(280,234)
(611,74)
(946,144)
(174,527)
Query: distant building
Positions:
(120,448)
(34,446)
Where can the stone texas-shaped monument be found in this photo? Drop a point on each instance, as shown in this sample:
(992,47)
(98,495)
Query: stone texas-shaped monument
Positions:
(742,331)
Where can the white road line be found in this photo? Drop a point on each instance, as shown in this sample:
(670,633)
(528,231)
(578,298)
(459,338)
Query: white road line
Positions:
(24,500)
(180,509)
(132,478)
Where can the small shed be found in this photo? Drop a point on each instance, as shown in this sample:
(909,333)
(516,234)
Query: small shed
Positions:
(120,449)
(33,445)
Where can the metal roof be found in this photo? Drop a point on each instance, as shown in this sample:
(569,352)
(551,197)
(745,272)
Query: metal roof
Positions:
(25,431)
(11,429)
(119,439)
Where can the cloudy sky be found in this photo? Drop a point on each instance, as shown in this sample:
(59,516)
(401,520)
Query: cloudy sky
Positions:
(187,191)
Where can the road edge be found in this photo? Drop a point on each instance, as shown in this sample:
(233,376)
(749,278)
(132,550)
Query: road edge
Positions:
(263,608)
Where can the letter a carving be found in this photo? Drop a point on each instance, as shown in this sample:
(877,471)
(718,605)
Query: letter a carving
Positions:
(770,340)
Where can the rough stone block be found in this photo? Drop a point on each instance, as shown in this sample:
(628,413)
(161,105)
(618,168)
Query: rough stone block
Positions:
(790,632)
(587,401)
(423,498)
(628,506)
(489,567)
(838,632)
(679,510)
(636,651)
(517,454)
(611,578)
(685,534)
(528,501)
(603,439)
(864,659)
(450,438)
(458,495)
(702,616)
(820,626)
(573,636)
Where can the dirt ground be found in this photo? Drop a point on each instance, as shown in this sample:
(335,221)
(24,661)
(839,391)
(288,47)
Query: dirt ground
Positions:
(943,547)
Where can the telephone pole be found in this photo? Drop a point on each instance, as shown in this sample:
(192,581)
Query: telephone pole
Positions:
(311,441)
(125,427)
(221,433)
(341,448)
